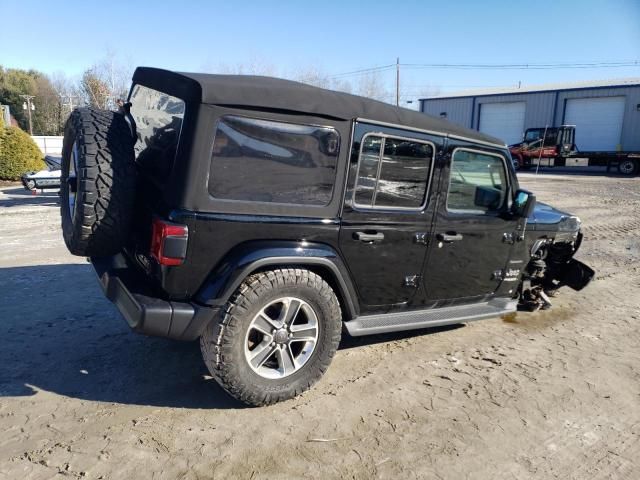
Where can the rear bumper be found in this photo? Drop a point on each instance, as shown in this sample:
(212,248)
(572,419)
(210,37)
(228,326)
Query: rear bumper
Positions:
(144,312)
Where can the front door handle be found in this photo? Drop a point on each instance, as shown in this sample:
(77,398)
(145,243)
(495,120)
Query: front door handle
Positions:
(449,237)
(369,237)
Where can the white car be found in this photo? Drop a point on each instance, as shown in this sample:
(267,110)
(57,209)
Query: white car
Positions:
(47,178)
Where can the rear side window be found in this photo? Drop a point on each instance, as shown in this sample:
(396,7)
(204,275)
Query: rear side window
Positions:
(158,119)
(273,162)
(393,173)
(478,182)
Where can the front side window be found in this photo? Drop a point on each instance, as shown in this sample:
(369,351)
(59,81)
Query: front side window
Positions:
(477,182)
(392,173)
(273,162)
(158,118)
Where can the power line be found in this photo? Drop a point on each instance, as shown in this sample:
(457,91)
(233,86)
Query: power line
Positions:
(522,66)
(491,66)
(364,71)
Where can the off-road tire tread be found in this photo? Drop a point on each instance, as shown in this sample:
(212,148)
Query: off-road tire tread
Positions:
(106,179)
(217,340)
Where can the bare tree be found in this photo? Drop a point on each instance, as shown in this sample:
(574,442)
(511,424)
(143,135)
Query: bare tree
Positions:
(341,85)
(116,74)
(313,76)
(255,66)
(317,77)
(68,93)
(372,86)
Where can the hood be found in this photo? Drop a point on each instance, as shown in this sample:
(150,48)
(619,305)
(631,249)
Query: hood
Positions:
(545,215)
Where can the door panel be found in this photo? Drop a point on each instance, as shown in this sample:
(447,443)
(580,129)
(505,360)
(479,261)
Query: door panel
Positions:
(469,250)
(387,213)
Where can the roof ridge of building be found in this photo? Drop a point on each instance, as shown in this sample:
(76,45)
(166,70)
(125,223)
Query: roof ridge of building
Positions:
(612,82)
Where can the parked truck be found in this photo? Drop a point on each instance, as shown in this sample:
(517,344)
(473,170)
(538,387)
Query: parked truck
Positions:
(556,147)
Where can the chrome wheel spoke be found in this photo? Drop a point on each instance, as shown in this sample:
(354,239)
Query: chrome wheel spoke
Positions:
(264,324)
(304,333)
(261,354)
(286,361)
(290,311)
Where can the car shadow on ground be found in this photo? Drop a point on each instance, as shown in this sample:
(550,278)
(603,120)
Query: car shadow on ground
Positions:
(59,334)
(19,196)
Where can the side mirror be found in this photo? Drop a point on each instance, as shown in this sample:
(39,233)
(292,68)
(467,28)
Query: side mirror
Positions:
(523,204)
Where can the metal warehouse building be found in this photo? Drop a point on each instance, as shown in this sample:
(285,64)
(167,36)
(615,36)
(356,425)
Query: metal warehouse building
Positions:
(606,114)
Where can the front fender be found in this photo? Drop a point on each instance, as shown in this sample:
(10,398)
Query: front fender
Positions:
(252,256)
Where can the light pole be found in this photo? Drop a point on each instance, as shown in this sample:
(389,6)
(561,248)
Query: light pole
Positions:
(28,106)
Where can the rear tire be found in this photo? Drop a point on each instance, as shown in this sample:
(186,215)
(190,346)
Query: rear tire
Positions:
(97,182)
(232,345)
(628,167)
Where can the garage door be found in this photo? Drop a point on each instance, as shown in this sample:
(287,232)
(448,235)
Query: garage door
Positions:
(598,121)
(503,120)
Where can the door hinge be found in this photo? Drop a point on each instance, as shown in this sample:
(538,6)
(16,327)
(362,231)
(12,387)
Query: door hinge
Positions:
(420,237)
(412,281)
(509,238)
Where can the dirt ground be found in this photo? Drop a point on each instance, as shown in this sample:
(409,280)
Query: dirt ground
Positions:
(552,394)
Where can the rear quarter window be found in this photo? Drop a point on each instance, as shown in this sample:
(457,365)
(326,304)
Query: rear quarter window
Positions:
(267,161)
(158,117)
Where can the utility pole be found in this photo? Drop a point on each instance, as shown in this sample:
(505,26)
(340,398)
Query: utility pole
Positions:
(397,81)
(69,103)
(28,106)
(63,105)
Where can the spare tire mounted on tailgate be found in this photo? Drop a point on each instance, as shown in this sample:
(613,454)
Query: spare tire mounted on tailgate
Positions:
(97,189)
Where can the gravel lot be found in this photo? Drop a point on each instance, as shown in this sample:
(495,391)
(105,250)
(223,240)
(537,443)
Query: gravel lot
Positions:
(552,394)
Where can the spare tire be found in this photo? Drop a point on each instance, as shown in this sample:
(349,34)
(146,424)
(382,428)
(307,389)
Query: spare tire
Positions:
(97,182)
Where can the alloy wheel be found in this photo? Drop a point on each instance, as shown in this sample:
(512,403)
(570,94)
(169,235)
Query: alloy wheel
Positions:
(281,338)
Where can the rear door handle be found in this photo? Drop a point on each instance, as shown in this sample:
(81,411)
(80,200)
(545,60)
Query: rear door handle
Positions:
(449,237)
(369,237)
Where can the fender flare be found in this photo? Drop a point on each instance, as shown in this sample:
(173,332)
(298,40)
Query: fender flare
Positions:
(247,258)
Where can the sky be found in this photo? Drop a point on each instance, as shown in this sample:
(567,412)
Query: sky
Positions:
(284,37)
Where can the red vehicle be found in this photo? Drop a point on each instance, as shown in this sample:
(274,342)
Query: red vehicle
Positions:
(555,147)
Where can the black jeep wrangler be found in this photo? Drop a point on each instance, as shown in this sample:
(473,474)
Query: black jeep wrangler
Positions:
(266,217)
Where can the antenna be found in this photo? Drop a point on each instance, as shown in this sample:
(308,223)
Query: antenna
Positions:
(544,137)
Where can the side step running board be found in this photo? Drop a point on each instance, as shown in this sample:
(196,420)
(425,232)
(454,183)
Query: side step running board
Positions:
(434,317)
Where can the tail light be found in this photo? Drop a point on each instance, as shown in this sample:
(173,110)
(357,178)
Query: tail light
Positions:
(169,242)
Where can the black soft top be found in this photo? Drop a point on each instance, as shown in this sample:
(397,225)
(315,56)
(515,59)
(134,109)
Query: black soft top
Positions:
(287,95)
